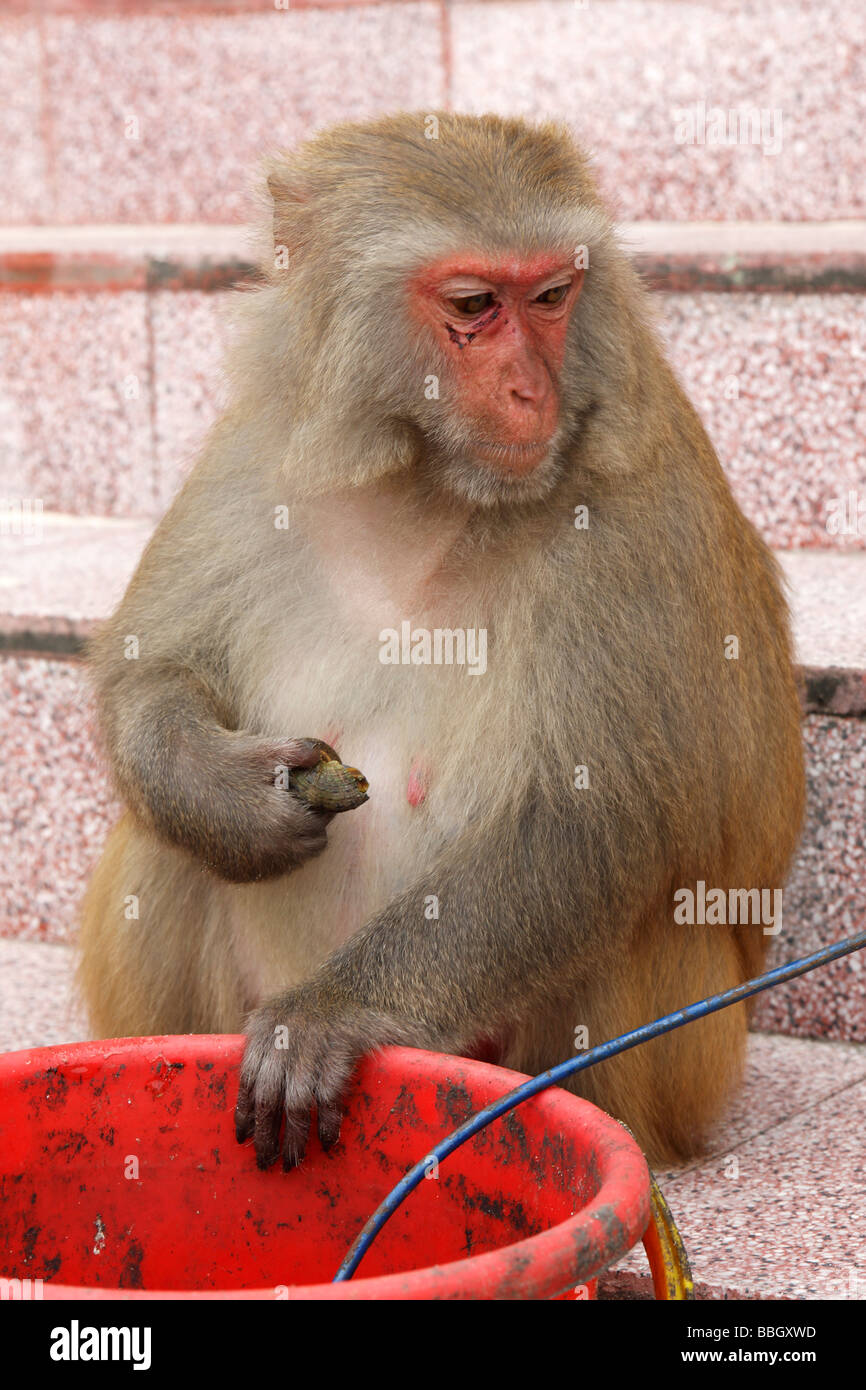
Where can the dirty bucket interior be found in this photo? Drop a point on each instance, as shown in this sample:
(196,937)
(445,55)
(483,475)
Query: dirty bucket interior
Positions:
(119,1170)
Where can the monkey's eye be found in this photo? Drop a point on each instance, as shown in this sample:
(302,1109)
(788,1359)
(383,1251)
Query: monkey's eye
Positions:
(471,305)
(555,295)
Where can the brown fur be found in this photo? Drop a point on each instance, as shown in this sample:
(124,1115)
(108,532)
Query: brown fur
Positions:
(606,649)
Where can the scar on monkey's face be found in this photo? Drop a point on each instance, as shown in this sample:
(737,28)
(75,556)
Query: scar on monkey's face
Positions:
(502,321)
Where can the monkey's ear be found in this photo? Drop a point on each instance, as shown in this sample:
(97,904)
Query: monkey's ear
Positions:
(290,196)
(284,185)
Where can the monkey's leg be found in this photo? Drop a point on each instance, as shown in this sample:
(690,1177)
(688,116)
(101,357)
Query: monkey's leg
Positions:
(506,948)
(155,952)
(669,1090)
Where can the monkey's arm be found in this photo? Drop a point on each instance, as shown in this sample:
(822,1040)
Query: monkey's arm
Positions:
(513,916)
(169,712)
(202,786)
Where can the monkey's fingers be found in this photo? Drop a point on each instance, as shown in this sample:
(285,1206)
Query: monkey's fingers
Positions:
(304,752)
(336,1070)
(259,1088)
(268,1120)
(245,1113)
(244,1121)
(295,1136)
(330,1120)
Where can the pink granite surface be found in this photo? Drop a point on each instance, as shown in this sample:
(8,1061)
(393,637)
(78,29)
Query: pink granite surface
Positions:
(827,594)
(98,8)
(778,1209)
(190,334)
(54,804)
(825,899)
(210,94)
(70,575)
(39,1006)
(790,1077)
(617,72)
(211,88)
(76,402)
(780,383)
(25,194)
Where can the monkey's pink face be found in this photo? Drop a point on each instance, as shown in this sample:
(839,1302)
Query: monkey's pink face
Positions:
(502,324)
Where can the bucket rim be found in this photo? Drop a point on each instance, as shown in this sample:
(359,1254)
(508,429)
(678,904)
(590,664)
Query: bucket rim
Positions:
(566,1255)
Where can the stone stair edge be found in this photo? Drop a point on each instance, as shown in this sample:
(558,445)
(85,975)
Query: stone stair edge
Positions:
(188,9)
(674,257)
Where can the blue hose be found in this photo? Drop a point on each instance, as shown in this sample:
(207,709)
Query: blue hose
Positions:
(559,1073)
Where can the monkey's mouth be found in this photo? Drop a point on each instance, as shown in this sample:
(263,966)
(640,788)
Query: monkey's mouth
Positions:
(516,459)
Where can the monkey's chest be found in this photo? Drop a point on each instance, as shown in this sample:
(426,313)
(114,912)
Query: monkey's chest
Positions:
(398,726)
(284,928)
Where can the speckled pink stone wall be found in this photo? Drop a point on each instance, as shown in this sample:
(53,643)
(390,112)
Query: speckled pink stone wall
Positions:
(825,899)
(780,382)
(209,95)
(25,195)
(76,402)
(618,73)
(209,87)
(190,335)
(55,805)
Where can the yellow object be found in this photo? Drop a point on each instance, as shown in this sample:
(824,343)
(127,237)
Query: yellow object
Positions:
(669,1263)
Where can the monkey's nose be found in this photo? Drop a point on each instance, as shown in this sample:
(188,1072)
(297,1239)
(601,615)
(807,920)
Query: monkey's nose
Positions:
(530,395)
(527,395)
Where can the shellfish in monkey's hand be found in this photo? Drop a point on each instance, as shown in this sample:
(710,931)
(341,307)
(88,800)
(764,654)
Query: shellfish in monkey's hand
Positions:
(329,785)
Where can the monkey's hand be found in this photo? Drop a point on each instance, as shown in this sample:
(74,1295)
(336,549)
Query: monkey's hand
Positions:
(301,1051)
(228,798)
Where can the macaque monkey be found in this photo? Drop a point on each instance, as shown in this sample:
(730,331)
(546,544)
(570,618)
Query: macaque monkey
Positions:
(451,429)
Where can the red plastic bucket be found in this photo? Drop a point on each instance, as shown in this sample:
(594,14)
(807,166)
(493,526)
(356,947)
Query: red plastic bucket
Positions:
(120,1177)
